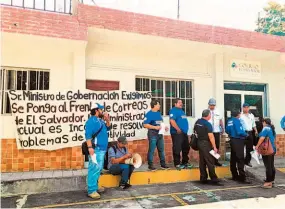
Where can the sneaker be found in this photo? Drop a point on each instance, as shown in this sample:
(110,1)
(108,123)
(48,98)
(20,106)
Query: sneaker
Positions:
(188,166)
(165,167)
(101,190)
(179,167)
(94,195)
(151,168)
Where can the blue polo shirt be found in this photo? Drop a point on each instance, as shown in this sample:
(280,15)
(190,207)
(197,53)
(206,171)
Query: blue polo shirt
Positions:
(92,126)
(180,118)
(267,132)
(154,119)
(120,152)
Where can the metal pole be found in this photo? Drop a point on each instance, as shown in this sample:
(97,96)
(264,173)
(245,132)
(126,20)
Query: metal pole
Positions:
(178,9)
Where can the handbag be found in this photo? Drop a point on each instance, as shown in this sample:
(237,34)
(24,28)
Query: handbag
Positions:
(265,147)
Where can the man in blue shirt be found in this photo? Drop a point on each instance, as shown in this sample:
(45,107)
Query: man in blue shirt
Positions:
(97,125)
(237,135)
(117,155)
(152,122)
(206,143)
(282,123)
(178,129)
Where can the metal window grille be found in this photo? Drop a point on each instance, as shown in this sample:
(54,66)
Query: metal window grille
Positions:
(12,78)
(166,90)
(60,6)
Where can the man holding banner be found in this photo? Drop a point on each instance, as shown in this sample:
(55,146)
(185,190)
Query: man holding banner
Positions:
(96,134)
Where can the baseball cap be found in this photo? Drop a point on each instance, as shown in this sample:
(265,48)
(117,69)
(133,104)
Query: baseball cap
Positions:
(212,101)
(245,105)
(122,139)
(96,106)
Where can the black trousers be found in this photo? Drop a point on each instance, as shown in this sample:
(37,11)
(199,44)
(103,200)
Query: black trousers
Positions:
(180,143)
(237,159)
(269,167)
(206,160)
(217,141)
(249,147)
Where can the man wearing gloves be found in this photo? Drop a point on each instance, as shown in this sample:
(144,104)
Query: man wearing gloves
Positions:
(96,134)
(237,135)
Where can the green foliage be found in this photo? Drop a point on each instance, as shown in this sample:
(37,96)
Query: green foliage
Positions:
(273,21)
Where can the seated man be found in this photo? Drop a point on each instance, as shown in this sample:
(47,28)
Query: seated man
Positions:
(117,155)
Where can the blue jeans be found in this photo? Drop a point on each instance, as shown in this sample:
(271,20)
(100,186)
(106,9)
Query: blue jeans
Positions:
(124,169)
(94,170)
(156,141)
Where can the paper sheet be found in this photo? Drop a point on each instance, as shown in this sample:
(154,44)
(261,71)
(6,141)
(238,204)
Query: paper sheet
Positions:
(162,128)
(255,155)
(93,158)
(216,155)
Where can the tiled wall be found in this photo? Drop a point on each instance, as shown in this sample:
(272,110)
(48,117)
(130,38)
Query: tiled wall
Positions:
(14,160)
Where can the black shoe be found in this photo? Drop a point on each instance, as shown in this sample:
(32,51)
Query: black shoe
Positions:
(150,167)
(234,178)
(204,181)
(165,167)
(216,182)
(218,164)
(125,186)
(248,164)
(245,181)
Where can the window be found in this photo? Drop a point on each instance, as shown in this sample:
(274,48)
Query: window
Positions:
(166,90)
(20,79)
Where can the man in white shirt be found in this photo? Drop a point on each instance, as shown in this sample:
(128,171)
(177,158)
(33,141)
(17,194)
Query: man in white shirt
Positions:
(248,123)
(217,124)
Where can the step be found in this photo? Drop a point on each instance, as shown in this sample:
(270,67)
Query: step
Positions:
(74,180)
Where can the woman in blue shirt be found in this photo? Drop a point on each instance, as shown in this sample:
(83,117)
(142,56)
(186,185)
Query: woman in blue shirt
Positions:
(268,160)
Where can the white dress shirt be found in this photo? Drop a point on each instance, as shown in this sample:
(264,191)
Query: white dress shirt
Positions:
(248,121)
(215,120)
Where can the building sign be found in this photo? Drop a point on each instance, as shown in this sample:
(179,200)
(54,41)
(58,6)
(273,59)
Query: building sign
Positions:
(52,120)
(245,69)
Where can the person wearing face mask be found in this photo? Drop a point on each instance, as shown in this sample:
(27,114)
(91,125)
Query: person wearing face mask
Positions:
(97,125)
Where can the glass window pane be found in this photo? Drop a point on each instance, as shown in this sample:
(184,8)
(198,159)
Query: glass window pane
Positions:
(174,89)
(168,106)
(183,101)
(181,89)
(21,80)
(138,84)
(160,88)
(153,88)
(33,80)
(145,84)
(167,89)
(188,107)
(46,80)
(41,80)
(10,80)
(188,89)
(8,107)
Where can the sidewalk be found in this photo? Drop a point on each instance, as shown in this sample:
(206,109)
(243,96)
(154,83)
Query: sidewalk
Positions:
(258,171)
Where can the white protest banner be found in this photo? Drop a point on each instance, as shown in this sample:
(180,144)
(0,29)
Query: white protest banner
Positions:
(51,120)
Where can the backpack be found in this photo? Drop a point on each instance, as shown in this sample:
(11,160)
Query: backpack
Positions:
(106,158)
(194,139)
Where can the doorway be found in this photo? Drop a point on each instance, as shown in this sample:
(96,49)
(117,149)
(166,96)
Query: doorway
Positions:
(234,99)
